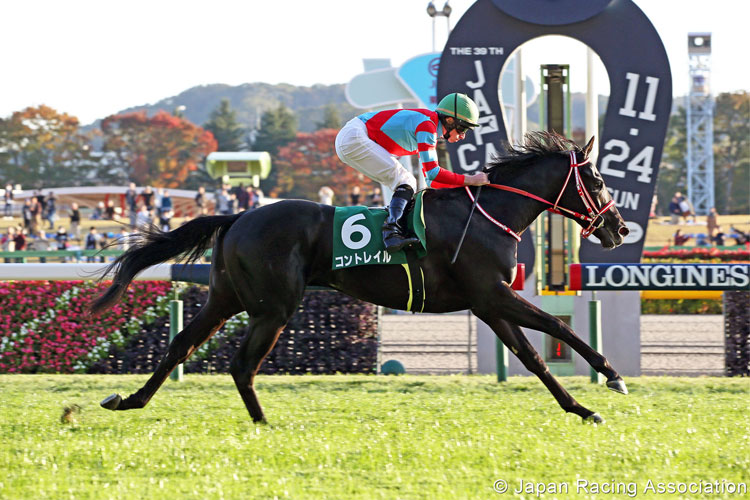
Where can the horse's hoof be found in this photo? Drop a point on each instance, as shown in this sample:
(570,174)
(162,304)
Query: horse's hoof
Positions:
(111,402)
(262,421)
(594,418)
(617,385)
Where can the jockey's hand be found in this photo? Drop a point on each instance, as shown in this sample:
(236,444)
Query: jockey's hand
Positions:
(478,179)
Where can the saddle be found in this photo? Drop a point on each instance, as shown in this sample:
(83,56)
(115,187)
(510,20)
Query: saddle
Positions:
(357,235)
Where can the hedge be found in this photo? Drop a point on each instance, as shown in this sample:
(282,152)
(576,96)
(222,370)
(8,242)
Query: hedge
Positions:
(45,328)
(737,333)
(329,333)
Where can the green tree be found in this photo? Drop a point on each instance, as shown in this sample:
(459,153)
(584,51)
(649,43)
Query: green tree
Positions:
(278,127)
(673,168)
(732,152)
(331,118)
(40,147)
(731,155)
(227,131)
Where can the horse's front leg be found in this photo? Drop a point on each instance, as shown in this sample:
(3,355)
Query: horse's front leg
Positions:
(513,338)
(519,311)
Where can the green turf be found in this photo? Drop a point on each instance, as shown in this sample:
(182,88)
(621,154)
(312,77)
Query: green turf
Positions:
(365,437)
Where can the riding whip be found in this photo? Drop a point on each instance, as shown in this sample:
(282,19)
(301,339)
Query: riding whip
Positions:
(466,227)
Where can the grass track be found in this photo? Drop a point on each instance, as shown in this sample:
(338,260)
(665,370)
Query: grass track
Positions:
(364,437)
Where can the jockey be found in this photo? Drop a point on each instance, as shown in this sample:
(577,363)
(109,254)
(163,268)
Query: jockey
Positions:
(371,143)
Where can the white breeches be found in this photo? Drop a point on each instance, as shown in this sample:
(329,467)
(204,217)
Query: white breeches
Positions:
(357,150)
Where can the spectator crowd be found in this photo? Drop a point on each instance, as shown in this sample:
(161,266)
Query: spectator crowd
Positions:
(38,227)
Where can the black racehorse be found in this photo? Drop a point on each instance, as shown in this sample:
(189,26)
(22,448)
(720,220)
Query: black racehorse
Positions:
(263,260)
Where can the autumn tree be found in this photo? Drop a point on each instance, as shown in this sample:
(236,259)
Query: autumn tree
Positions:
(41,147)
(223,124)
(160,150)
(309,162)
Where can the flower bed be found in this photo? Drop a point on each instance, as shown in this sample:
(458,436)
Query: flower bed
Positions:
(698,254)
(681,306)
(44,327)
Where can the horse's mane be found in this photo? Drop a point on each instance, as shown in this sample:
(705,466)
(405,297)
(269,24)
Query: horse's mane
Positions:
(535,145)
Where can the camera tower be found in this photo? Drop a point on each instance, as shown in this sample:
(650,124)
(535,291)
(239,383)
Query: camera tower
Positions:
(700,125)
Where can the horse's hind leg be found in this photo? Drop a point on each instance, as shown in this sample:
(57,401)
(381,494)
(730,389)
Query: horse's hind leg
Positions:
(262,335)
(521,312)
(513,337)
(270,285)
(207,322)
(266,324)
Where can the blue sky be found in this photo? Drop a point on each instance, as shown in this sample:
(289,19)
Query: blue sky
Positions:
(94,58)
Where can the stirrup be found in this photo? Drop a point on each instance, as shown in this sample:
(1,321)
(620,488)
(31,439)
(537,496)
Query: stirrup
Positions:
(400,244)
(394,239)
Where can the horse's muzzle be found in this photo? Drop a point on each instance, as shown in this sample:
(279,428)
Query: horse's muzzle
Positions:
(623,231)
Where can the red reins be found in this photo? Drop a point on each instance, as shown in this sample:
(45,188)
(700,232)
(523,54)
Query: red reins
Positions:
(594,217)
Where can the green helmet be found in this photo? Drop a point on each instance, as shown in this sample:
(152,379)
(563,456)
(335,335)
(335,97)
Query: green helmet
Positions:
(460,107)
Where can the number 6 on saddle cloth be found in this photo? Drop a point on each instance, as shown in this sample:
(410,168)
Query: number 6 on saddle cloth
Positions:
(355,245)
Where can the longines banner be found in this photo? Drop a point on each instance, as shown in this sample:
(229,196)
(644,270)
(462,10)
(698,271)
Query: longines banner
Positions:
(640,99)
(660,277)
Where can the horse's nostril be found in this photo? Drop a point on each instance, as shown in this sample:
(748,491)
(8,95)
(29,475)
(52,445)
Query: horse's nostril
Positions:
(624,231)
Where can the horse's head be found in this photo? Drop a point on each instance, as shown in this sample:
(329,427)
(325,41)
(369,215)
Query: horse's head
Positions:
(575,188)
(586,193)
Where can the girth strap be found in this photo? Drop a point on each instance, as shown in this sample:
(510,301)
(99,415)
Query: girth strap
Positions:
(415,278)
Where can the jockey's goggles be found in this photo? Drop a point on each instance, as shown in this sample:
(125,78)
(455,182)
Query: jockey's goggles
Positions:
(461,126)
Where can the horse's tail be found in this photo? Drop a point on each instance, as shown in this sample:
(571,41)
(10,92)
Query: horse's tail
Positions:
(151,246)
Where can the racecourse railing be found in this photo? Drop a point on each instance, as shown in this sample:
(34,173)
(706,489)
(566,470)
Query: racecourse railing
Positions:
(23,256)
(192,273)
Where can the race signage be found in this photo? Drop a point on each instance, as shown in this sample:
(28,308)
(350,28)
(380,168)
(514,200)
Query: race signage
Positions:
(377,88)
(635,123)
(660,277)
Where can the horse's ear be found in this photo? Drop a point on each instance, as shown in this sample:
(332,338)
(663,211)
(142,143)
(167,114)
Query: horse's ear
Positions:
(589,146)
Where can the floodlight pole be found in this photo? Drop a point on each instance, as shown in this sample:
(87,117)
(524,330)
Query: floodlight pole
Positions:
(433,12)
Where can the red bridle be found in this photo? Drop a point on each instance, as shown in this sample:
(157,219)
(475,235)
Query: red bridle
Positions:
(594,218)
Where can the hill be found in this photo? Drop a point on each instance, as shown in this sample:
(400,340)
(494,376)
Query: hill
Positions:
(251,100)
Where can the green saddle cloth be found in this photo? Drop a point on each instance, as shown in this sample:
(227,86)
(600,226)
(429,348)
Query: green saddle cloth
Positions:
(358,238)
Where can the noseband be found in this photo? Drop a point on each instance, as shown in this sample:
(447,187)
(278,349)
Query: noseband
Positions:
(595,217)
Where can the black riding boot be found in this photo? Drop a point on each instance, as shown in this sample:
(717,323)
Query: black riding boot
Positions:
(394,236)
